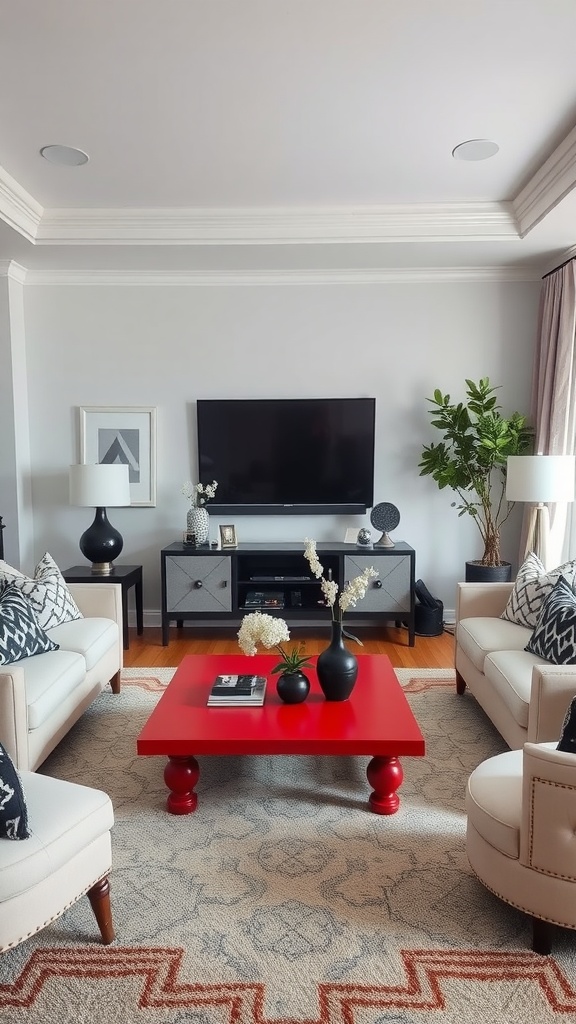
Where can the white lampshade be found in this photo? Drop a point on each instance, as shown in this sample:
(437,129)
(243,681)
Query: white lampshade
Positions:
(99,486)
(540,478)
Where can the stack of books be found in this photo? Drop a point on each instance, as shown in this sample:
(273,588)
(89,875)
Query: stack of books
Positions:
(268,599)
(242,691)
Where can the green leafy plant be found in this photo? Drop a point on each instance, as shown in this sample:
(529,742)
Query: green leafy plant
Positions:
(471,457)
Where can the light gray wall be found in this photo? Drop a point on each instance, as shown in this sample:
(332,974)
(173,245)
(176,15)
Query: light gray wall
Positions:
(166,346)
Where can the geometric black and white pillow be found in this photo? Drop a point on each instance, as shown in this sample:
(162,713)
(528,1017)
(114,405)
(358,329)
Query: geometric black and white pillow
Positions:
(532,586)
(554,637)
(47,592)
(13,811)
(567,741)
(21,635)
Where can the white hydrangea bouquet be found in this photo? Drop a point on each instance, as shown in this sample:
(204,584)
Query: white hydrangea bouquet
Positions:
(258,628)
(352,592)
(199,494)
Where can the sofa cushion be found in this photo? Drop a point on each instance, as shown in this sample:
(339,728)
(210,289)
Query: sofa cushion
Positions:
(479,635)
(554,637)
(50,679)
(509,673)
(91,637)
(21,635)
(13,810)
(64,819)
(47,592)
(494,801)
(532,586)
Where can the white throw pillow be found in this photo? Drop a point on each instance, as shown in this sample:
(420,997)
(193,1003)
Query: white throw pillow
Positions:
(532,586)
(47,592)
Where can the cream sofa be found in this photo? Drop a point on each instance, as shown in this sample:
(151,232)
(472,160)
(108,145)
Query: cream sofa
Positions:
(42,696)
(525,697)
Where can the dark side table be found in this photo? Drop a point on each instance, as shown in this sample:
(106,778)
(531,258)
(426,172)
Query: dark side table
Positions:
(127,576)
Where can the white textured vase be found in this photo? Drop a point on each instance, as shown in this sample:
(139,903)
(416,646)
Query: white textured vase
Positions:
(198,523)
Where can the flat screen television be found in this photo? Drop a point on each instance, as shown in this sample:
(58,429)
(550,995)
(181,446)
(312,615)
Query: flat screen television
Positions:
(287,456)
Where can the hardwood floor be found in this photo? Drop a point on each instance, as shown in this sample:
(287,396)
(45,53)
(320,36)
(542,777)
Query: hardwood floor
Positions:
(428,652)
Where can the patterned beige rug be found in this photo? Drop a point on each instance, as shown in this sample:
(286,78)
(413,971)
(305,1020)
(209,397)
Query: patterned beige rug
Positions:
(283,898)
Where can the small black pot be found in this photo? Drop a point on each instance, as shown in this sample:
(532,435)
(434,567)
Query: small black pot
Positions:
(477,573)
(292,687)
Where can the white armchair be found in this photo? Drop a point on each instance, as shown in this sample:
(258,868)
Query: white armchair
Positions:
(521,834)
(68,854)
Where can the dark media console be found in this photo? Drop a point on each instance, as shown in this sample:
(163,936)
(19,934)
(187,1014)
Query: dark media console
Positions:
(214,587)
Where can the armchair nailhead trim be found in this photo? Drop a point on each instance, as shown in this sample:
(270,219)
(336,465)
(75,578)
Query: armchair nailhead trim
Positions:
(55,917)
(555,785)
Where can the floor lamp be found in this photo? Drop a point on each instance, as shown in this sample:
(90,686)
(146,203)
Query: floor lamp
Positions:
(537,479)
(97,487)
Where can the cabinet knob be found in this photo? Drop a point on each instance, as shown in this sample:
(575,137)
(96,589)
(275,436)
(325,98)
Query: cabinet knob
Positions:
(378,584)
(224,583)
(198,584)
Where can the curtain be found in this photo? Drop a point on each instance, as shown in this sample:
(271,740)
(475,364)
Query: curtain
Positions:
(553,405)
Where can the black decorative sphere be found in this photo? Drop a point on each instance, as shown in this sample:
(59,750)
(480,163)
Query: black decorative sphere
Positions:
(293,687)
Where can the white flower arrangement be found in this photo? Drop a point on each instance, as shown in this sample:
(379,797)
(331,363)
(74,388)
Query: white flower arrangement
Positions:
(199,494)
(269,631)
(353,591)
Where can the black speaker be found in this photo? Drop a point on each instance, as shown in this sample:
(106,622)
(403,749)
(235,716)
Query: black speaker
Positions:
(429,621)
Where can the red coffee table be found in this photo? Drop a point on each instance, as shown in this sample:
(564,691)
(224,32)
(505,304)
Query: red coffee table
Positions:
(376,721)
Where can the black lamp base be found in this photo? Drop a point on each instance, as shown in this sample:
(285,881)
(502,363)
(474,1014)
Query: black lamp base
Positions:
(101,543)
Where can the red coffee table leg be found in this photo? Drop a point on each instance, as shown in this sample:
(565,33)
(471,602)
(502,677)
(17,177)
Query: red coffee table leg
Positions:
(385,776)
(181,775)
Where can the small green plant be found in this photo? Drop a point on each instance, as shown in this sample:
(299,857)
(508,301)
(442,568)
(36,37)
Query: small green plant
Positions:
(471,457)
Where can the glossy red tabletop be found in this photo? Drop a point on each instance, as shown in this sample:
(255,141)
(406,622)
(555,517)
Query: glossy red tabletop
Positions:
(375,720)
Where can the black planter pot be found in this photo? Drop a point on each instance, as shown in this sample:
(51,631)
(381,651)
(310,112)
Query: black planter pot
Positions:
(477,573)
(292,687)
(336,667)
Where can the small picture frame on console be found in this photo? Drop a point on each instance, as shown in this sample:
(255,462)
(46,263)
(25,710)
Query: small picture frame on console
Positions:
(189,539)
(228,536)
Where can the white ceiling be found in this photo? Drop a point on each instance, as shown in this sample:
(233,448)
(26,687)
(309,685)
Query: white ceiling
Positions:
(288,135)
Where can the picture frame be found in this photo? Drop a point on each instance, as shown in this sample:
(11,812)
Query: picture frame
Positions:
(123,434)
(228,537)
(189,539)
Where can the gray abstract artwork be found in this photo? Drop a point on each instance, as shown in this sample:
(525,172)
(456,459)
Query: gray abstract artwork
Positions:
(121,447)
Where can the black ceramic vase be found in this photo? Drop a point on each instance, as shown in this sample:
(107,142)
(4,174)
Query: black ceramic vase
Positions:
(337,668)
(292,687)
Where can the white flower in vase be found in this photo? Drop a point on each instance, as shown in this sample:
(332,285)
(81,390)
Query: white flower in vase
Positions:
(352,592)
(197,521)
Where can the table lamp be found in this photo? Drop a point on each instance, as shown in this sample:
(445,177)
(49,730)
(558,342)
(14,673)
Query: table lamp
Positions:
(537,479)
(96,487)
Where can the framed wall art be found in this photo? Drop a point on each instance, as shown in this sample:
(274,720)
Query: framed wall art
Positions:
(123,434)
(228,537)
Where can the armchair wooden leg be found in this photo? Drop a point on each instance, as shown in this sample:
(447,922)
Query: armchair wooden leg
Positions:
(460,683)
(99,896)
(541,937)
(115,682)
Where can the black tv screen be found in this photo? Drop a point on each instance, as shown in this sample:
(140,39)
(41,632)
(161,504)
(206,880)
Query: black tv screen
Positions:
(282,456)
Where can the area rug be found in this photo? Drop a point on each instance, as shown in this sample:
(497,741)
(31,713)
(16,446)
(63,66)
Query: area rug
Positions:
(283,898)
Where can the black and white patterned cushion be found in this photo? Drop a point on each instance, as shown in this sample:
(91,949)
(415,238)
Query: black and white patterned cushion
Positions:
(554,637)
(567,741)
(13,811)
(47,592)
(21,635)
(532,586)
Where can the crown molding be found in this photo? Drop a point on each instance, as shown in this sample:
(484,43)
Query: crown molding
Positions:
(259,278)
(278,225)
(18,208)
(551,183)
(13,271)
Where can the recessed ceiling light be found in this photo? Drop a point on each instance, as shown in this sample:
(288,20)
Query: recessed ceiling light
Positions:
(475,149)
(67,156)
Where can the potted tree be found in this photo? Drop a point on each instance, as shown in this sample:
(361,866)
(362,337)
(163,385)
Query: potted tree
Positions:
(471,459)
